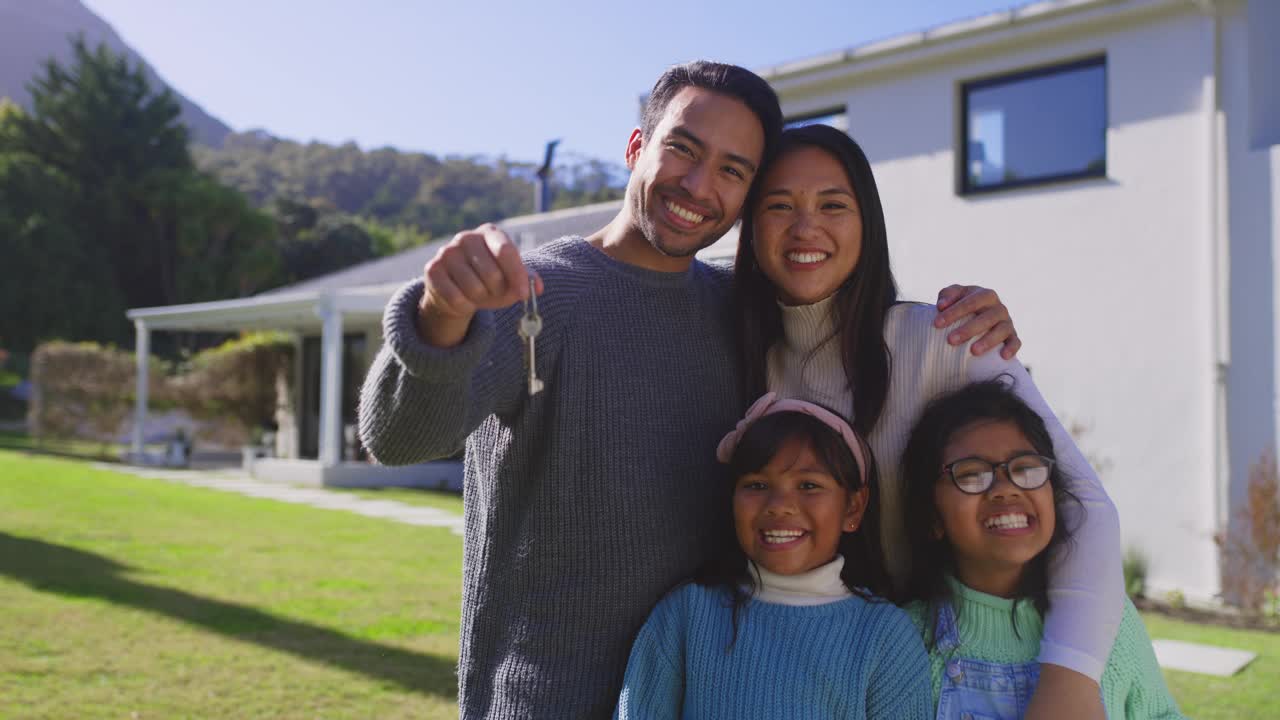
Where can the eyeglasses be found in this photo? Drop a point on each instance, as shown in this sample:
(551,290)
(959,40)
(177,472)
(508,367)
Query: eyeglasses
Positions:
(974,476)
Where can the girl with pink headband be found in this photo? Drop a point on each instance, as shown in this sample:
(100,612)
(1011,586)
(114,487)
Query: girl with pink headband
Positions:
(786,620)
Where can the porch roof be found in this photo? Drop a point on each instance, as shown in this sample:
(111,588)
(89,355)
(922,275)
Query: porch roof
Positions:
(359,292)
(285,311)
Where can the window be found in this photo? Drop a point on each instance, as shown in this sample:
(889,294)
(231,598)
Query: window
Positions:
(836,118)
(1034,127)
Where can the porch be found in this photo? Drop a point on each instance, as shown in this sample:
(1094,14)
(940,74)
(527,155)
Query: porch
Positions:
(336,332)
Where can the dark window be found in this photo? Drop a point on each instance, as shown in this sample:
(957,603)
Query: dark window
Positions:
(1034,127)
(834,117)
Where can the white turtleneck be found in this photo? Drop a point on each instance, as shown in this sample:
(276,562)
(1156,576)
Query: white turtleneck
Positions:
(1086,586)
(810,356)
(818,586)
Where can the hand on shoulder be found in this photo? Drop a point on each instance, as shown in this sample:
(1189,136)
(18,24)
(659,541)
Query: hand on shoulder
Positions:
(984,317)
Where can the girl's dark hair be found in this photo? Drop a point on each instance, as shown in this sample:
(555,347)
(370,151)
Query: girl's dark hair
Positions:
(860,304)
(930,558)
(864,572)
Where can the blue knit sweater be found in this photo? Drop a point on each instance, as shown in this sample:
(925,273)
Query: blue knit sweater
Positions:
(847,659)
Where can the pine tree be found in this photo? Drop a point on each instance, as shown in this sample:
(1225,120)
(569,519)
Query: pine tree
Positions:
(102,200)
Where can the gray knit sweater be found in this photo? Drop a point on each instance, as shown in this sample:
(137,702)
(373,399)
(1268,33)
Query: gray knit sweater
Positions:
(586,503)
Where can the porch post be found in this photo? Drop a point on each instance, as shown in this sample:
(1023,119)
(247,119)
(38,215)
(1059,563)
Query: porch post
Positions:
(142,356)
(296,398)
(330,383)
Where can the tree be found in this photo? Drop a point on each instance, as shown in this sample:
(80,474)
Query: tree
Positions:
(315,241)
(106,208)
(389,240)
(438,196)
(116,142)
(223,247)
(51,283)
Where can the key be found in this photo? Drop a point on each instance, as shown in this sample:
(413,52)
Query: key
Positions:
(530,326)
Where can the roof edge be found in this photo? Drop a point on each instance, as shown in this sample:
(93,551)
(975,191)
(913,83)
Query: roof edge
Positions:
(559,214)
(213,306)
(1022,15)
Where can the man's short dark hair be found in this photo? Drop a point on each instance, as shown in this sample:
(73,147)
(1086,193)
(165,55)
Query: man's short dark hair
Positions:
(731,80)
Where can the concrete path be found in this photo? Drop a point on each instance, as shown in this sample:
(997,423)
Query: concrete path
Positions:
(1203,659)
(237,481)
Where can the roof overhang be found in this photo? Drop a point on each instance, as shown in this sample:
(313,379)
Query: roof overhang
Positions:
(903,52)
(293,311)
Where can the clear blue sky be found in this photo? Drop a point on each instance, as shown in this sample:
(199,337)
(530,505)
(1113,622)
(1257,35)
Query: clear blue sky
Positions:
(472,76)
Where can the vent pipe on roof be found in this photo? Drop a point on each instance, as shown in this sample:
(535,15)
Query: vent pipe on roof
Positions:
(542,181)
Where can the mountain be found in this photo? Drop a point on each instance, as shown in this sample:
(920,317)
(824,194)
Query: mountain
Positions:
(437,195)
(32,31)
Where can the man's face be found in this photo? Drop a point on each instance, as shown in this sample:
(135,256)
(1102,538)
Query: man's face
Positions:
(690,178)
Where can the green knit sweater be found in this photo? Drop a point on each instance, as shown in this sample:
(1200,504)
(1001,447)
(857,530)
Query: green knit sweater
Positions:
(1132,686)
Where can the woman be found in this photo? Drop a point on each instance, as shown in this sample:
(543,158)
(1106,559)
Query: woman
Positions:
(819,319)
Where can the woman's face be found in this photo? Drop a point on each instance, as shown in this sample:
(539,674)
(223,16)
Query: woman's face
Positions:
(790,515)
(808,226)
(993,535)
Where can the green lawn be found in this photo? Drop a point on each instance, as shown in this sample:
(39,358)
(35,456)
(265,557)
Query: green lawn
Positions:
(1251,694)
(87,449)
(131,598)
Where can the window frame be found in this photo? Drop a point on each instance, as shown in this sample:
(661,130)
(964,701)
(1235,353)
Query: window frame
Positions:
(788,122)
(963,184)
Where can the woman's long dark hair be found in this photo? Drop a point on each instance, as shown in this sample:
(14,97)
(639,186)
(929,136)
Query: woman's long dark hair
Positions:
(864,572)
(860,304)
(930,557)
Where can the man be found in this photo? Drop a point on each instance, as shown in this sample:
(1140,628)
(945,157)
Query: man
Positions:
(586,502)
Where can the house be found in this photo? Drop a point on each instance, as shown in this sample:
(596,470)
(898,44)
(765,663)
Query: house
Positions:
(336,321)
(1110,166)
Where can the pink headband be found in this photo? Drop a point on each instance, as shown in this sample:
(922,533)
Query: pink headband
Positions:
(769,404)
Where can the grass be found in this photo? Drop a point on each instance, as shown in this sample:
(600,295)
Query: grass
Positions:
(127,597)
(67,447)
(134,598)
(1251,694)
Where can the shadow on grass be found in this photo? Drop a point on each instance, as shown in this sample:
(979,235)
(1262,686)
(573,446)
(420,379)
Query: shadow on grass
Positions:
(66,449)
(46,567)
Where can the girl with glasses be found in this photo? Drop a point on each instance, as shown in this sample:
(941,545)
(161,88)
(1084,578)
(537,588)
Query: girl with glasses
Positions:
(983,512)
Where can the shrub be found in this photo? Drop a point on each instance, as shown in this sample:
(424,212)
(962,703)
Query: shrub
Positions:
(11,408)
(1250,547)
(1135,573)
(1271,605)
(237,380)
(83,390)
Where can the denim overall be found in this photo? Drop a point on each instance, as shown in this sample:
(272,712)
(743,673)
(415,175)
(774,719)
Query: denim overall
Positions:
(978,689)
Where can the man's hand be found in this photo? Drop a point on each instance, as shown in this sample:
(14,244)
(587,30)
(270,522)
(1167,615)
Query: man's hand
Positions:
(479,269)
(990,319)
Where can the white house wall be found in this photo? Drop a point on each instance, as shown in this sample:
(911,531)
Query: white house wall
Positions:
(1264,60)
(1253,194)
(1110,280)
(1275,264)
